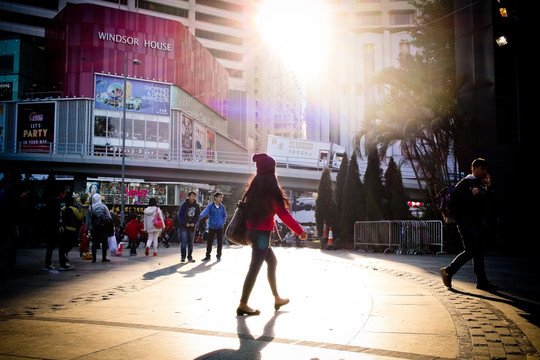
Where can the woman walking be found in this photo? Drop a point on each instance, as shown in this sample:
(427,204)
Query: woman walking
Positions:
(264,199)
(153,232)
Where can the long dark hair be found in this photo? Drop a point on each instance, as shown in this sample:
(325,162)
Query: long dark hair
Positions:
(262,192)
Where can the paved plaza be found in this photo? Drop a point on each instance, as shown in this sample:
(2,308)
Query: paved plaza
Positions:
(344,305)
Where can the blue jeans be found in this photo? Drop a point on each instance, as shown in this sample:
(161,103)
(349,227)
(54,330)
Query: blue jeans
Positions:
(187,235)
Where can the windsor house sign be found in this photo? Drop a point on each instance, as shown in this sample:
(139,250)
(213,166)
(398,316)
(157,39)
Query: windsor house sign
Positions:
(135,41)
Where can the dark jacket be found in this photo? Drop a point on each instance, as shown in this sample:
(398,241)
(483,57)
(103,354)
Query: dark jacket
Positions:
(53,215)
(189,213)
(465,205)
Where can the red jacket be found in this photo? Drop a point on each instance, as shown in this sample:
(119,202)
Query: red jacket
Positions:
(169,224)
(267,223)
(133,229)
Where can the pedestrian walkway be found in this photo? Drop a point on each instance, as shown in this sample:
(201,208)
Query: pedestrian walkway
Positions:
(344,305)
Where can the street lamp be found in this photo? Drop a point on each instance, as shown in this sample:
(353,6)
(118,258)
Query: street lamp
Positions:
(123,186)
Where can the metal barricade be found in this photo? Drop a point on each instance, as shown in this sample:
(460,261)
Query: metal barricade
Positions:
(399,236)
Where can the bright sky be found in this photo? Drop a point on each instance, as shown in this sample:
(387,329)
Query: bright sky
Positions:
(297,30)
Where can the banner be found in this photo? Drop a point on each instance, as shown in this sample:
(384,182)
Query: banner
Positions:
(35,126)
(141,96)
(210,144)
(187,137)
(199,138)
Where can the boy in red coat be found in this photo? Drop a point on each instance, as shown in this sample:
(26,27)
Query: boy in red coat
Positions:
(133,230)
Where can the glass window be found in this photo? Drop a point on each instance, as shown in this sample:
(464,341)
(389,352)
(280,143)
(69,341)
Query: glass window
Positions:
(402,18)
(163,132)
(151,130)
(138,129)
(404,48)
(100,124)
(6,64)
(129,129)
(368,19)
(113,127)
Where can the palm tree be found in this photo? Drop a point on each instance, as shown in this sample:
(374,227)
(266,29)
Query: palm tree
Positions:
(417,104)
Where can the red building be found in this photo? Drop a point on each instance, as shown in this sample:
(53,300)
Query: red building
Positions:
(87,39)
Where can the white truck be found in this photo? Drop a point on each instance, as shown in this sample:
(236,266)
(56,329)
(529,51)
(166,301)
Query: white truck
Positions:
(298,153)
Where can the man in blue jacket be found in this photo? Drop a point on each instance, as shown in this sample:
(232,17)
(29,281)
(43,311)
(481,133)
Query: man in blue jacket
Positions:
(216,221)
(188,215)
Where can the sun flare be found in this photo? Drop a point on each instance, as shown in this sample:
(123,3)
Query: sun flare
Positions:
(297,31)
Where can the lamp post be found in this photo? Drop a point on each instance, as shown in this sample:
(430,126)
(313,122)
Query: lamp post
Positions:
(123,186)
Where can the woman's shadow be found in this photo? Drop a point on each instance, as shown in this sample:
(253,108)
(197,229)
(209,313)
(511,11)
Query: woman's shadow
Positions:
(250,347)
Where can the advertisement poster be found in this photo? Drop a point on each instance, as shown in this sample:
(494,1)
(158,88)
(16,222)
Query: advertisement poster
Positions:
(187,137)
(210,144)
(35,126)
(92,188)
(141,96)
(199,141)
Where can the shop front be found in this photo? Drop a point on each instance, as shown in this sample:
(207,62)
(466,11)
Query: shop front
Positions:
(169,196)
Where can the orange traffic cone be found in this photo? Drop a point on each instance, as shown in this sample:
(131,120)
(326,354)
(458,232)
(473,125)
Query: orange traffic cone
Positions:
(330,237)
(330,243)
(324,231)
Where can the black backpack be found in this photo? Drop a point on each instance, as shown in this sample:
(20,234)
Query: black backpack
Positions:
(102,224)
(444,204)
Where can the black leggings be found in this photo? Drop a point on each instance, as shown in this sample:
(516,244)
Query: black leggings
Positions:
(99,240)
(260,252)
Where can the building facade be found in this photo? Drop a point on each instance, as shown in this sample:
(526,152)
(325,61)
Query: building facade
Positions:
(369,35)
(106,67)
(224,29)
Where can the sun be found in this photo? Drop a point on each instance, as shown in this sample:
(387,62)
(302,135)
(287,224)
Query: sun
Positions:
(297,31)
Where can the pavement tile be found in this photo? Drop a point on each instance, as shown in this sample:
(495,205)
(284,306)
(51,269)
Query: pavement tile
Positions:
(344,305)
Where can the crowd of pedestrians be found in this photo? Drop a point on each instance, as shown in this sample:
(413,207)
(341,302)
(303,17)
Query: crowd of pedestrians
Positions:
(59,221)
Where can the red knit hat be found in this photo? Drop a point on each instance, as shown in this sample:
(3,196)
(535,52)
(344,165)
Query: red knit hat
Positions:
(265,163)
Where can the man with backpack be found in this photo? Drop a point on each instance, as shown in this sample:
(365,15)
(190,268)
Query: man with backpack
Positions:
(469,206)
(100,224)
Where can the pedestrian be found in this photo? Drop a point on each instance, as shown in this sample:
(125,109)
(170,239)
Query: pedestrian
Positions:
(84,243)
(168,230)
(115,249)
(72,219)
(11,199)
(217,215)
(264,199)
(175,237)
(153,232)
(188,215)
(54,227)
(97,214)
(469,202)
(289,239)
(133,231)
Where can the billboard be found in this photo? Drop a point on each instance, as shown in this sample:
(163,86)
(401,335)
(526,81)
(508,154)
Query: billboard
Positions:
(141,96)
(35,126)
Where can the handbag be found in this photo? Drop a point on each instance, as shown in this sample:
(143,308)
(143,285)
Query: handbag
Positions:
(236,229)
(158,221)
